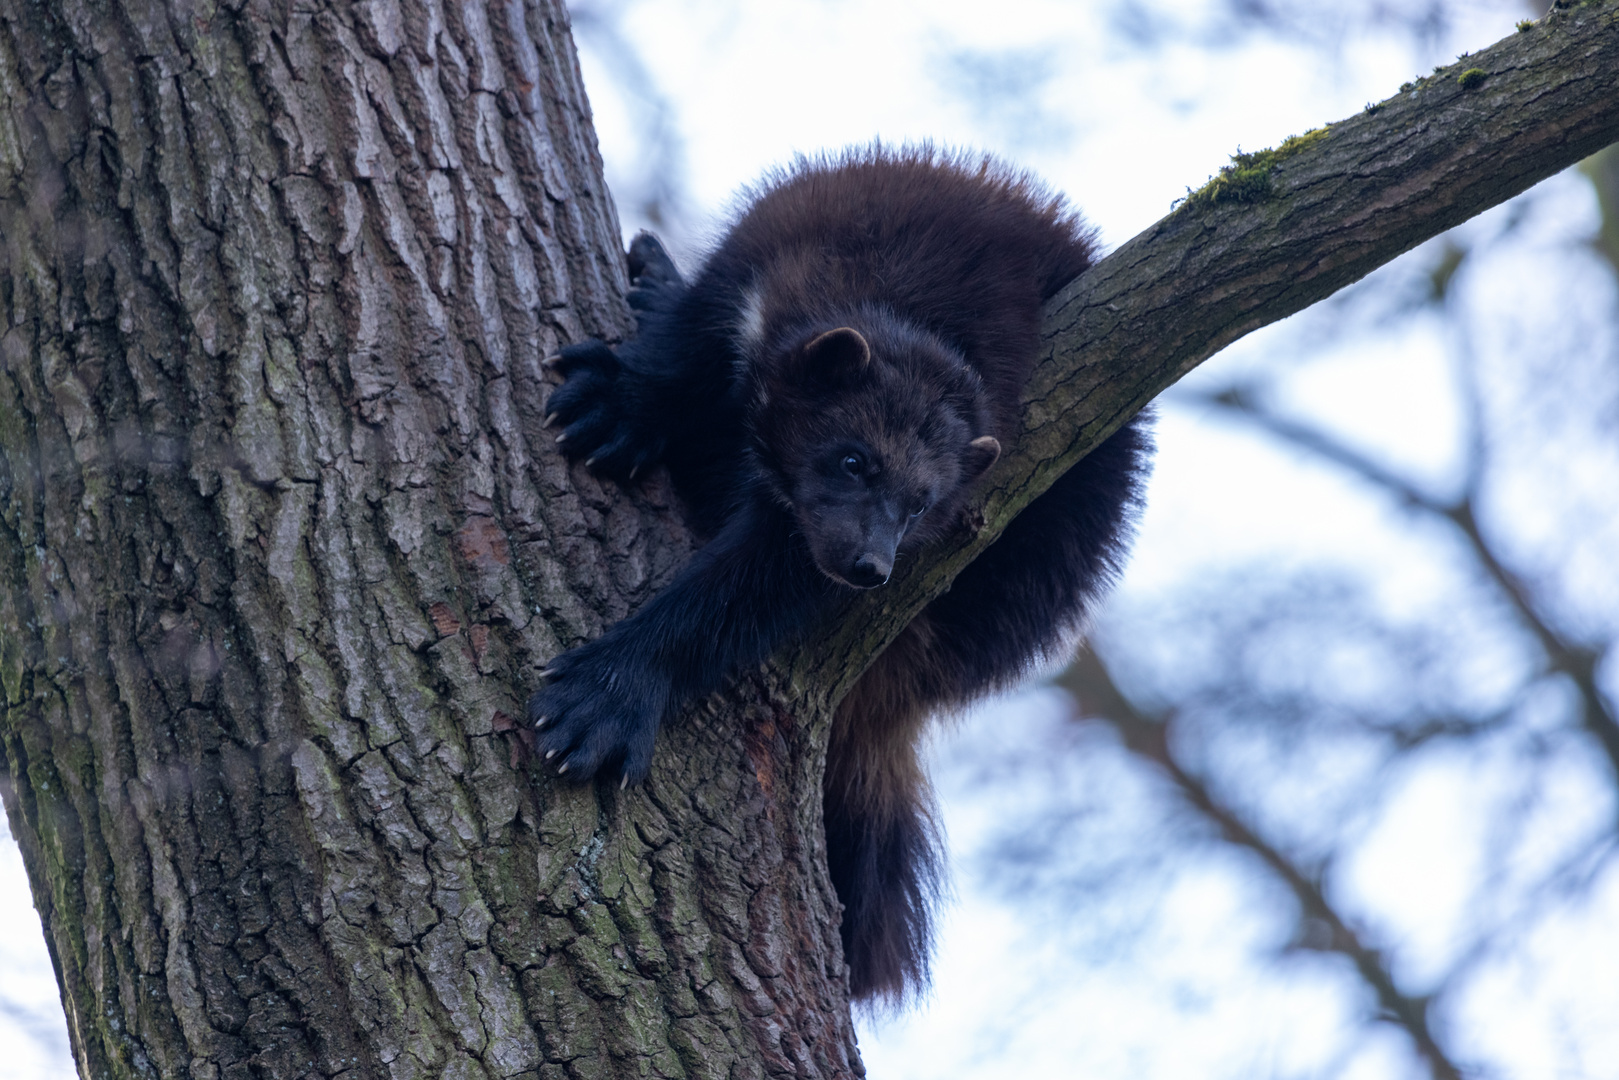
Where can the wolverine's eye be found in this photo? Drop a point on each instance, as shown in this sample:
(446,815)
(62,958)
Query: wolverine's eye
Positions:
(918,507)
(854,465)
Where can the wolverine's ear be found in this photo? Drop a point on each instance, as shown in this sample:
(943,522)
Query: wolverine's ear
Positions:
(840,355)
(982,452)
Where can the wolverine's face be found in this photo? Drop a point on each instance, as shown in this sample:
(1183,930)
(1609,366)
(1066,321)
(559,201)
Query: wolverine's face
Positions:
(876,461)
(857,505)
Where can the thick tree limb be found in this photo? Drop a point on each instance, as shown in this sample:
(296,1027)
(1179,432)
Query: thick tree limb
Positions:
(1335,205)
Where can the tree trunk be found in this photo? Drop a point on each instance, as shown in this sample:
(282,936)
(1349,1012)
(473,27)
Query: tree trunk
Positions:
(283,547)
(283,544)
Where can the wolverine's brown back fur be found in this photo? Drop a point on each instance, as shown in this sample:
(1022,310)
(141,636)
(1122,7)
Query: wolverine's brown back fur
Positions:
(962,246)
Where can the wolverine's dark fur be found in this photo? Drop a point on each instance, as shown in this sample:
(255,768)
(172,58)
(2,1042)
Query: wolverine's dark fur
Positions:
(824,393)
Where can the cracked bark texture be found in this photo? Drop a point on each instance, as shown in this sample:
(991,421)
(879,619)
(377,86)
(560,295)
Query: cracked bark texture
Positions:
(282,547)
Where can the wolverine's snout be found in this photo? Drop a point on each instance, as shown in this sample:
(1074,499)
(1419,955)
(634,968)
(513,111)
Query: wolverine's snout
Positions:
(870,571)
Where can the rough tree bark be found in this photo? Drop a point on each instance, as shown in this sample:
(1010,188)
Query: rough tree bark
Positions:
(282,544)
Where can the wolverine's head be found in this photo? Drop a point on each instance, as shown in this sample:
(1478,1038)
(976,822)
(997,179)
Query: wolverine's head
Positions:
(871,437)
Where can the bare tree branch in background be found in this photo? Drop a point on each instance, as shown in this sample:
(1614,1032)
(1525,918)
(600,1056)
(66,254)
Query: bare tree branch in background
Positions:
(1603,170)
(1319,25)
(1576,661)
(1321,926)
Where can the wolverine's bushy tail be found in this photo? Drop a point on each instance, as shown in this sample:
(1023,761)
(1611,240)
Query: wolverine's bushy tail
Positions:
(884,848)
(887,869)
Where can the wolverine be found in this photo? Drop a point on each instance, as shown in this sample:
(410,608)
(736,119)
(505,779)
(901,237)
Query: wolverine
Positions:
(824,393)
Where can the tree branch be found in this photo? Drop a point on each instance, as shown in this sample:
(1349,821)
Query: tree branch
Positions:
(1570,658)
(1319,213)
(1097,697)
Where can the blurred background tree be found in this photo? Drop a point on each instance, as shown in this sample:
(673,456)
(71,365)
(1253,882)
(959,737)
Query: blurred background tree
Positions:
(1335,793)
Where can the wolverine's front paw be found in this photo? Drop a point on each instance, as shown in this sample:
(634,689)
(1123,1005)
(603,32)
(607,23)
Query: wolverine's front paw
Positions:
(653,277)
(598,713)
(589,407)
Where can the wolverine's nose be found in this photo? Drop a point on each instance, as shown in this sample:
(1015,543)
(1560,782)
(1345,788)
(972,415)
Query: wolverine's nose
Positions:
(869,571)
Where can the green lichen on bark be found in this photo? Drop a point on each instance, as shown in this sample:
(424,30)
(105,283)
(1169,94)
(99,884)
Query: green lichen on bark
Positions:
(1248,179)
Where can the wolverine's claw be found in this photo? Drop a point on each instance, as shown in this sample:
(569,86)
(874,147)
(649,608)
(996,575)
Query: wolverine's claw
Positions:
(624,783)
(546,673)
(550,418)
(549,754)
(562,438)
(562,770)
(541,722)
(552,360)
